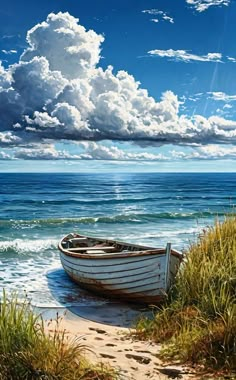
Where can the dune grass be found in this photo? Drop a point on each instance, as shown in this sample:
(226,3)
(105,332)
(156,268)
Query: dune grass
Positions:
(28,352)
(198,322)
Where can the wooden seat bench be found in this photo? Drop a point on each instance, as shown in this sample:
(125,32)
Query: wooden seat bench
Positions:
(80,249)
(78,240)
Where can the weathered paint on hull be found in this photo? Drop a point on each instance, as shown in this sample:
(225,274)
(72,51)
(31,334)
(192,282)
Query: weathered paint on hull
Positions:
(138,279)
(139,298)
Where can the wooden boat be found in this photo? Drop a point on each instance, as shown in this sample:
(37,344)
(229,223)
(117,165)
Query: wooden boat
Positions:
(120,270)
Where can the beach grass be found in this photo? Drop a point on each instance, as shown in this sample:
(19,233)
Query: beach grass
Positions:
(29,351)
(197,324)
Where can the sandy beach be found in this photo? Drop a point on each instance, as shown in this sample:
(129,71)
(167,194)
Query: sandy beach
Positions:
(112,344)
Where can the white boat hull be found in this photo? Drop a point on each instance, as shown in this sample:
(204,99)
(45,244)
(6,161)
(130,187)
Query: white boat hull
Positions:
(136,278)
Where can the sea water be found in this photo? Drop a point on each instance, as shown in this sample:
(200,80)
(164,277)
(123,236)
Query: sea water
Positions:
(37,210)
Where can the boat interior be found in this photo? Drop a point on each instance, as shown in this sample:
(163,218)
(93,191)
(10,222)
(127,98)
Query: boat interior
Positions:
(83,244)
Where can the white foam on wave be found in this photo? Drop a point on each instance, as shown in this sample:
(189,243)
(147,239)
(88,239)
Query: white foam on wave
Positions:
(26,246)
(27,276)
(44,282)
(33,268)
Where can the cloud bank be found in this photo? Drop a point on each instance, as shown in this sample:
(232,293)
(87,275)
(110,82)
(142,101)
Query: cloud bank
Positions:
(100,152)
(57,92)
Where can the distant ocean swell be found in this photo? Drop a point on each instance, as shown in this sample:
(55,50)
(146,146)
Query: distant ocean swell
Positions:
(119,200)
(119,218)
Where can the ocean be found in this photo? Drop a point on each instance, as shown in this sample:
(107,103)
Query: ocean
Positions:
(37,210)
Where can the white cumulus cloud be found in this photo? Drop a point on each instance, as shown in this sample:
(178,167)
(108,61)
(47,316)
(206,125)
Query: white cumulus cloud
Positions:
(184,56)
(4,156)
(8,139)
(231,59)
(67,46)
(96,151)
(222,96)
(12,51)
(48,152)
(203,5)
(210,152)
(161,14)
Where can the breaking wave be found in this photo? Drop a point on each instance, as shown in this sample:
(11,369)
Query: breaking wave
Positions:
(25,246)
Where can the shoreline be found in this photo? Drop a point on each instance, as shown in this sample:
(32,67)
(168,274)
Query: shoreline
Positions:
(111,344)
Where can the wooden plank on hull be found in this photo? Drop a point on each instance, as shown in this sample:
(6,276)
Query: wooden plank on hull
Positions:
(145,284)
(121,280)
(145,297)
(137,293)
(135,271)
(110,266)
(111,262)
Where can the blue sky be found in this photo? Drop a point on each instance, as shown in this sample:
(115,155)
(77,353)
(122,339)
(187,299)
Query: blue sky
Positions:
(166,104)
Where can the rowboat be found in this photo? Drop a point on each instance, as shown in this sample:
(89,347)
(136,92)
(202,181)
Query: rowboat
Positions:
(115,269)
